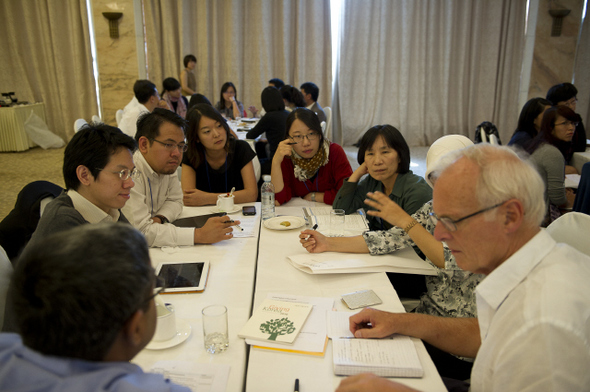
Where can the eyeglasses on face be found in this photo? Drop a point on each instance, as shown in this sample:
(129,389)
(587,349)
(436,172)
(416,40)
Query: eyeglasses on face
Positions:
(182,147)
(159,287)
(310,136)
(571,102)
(451,225)
(568,123)
(126,173)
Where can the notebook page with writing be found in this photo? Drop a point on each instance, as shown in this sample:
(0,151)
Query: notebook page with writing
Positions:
(396,357)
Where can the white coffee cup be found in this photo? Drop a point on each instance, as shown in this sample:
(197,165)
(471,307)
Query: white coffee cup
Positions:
(225,203)
(166,325)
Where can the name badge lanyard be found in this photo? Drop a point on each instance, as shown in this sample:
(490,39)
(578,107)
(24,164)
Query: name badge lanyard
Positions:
(317,189)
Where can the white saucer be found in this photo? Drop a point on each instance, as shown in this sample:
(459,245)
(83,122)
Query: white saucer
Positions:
(184,331)
(275,223)
(216,210)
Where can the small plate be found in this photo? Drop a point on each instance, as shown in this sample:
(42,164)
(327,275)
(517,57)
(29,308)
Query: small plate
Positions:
(275,223)
(184,331)
(236,209)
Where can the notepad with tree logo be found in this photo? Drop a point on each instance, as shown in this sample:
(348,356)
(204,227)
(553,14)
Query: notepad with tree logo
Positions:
(276,321)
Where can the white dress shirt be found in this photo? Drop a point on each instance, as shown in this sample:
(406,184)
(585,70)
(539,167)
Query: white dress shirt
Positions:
(534,320)
(157,194)
(89,211)
(128,122)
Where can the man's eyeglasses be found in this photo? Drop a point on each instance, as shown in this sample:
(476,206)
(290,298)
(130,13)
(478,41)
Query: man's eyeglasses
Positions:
(126,173)
(568,123)
(451,225)
(182,147)
(310,136)
(571,102)
(159,287)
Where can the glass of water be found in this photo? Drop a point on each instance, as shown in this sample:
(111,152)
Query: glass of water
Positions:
(215,328)
(337,222)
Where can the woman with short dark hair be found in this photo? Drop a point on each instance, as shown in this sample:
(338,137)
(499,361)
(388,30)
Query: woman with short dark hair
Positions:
(385,156)
(305,163)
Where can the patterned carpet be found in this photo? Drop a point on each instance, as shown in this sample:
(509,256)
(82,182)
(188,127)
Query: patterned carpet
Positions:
(17,169)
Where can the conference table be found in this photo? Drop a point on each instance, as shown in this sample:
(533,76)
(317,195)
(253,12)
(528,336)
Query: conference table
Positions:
(243,272)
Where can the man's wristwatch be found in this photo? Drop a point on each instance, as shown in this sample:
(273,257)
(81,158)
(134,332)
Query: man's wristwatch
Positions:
(312,196)
(162,218)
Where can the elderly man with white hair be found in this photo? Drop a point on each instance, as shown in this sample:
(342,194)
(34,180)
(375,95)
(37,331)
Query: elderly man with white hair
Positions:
(533,327)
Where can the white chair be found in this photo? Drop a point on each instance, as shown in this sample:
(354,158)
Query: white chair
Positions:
(96,119)
(572,228)
(119,116)
(5,272)
(255,161)
(328,130)
(79,123)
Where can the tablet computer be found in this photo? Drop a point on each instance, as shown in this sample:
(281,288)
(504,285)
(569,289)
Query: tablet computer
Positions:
(183,276)
(196,221)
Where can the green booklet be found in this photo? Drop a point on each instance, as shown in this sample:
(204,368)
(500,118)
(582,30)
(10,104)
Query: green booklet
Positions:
(276,321)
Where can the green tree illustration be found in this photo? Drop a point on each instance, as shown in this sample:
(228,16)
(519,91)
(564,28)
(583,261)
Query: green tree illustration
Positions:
(277,327)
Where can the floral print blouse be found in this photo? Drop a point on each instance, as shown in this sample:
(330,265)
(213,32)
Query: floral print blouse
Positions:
(449,294)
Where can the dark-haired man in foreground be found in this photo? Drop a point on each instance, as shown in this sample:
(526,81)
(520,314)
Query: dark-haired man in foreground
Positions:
(98,172)
(86,308)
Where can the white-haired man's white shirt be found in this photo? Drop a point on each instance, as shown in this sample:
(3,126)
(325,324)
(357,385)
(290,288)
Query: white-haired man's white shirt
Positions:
(534,320)
(157,194)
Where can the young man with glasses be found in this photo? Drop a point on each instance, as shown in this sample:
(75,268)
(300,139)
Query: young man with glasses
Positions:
(156,200)
(98,172)
(533,306)
(85,300)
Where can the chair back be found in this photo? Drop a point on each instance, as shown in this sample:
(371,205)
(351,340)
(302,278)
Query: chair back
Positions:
(119,116)
(96,119)
(582,201)
(328,131)
(79,123)
(572,228)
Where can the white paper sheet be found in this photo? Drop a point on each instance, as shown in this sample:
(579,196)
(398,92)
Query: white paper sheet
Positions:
(199,377)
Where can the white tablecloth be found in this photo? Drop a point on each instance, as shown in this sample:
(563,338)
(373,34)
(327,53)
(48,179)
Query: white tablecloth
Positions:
(12,130)
(580,158)
(276,371)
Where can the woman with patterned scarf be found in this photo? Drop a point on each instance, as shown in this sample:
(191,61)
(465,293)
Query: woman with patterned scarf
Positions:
(173,97)
(306,164)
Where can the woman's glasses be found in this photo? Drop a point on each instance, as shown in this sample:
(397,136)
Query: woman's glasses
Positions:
(310,136)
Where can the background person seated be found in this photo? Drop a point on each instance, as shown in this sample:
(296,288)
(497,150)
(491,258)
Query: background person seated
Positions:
(566,94)
(310,93)
(228,104)
(306,164)
(292,97)
(147,100)
(215,161)
(529,122)
(85,308)
(173,97)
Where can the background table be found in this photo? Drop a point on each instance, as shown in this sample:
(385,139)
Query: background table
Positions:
(276,371)
(230,283)
(12,126)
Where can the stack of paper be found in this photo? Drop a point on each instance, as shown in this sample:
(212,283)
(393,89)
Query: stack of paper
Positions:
(402,261)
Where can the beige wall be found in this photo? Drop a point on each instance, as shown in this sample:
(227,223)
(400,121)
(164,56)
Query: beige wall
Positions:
(117,58)
(553,57)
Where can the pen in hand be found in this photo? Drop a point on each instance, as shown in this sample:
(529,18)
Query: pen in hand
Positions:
(236,226)
(313,228)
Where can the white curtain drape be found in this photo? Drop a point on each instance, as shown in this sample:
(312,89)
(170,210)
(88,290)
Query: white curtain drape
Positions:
(45,57)
(582,74)
(428,67)
(246,43)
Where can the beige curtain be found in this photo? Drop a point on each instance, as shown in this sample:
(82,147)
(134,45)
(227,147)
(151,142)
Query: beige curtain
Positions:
(45,57)
(582,73)
(428,67)
(245,42)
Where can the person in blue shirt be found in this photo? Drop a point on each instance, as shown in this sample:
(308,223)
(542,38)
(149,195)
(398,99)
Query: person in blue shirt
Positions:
(84,307)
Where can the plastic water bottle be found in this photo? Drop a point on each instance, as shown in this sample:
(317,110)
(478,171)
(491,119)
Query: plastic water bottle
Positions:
(267,195)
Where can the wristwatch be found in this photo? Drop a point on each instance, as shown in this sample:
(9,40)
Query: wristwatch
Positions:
(162,218)
(312,196)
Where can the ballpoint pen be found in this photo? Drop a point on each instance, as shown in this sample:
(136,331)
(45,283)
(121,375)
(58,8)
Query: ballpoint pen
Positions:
(236,226)
(296,389)
(313,228)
